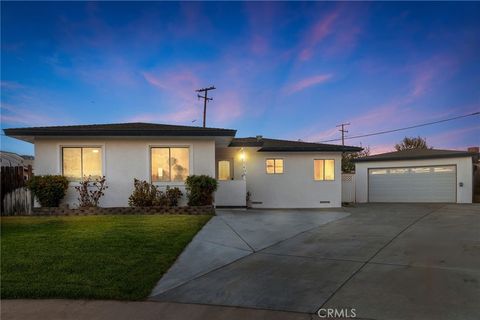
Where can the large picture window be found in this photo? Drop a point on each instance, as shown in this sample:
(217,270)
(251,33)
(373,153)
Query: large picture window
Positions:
(274,166)
(323,170)
(80,162)
(170,164)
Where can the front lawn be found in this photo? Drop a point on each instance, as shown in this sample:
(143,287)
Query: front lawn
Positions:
(93,257)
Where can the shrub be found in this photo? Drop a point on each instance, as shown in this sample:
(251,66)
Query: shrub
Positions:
(173,195)
(88,197)
(200,190)
(144,194)
(49,189)
(147,195)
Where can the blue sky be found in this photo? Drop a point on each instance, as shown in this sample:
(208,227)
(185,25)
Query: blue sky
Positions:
(284,70)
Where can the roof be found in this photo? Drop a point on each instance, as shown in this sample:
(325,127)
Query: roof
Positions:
(11,159)
(275,145)
(416,154)
(121,129)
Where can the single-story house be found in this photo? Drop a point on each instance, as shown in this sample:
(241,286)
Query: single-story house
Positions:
(271,173)
(417,175)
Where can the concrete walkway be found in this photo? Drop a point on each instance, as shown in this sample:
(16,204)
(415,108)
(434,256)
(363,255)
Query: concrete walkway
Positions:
(388,261)
(235,234)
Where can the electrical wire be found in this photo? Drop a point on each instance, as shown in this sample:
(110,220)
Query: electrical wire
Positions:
(405,128)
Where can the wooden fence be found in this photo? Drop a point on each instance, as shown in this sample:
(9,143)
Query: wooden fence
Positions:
(16,199)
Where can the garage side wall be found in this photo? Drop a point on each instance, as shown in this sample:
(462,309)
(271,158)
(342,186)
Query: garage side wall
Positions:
(464,174)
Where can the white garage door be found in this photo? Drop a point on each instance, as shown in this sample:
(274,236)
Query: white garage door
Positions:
(412,184)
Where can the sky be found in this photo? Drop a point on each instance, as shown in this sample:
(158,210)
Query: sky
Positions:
(287,70)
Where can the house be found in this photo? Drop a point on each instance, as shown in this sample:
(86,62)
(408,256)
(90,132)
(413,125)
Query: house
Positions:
(271,173)
(11,159)
(417,175)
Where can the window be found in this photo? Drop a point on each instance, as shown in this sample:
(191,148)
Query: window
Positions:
(170,164)
(224,172)
(274,166)
(81,162)
(323,170)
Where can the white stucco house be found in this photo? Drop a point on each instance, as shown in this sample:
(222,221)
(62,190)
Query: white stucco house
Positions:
(274,173)
(417,175)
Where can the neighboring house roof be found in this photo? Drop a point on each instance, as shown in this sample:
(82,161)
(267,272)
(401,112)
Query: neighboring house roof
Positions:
(120,129)
(415,154)
(11,159)
(275,145)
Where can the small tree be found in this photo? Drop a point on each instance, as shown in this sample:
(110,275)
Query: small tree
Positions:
(49,189)
(200,190)
(90,191)
(409,143)
(348,165)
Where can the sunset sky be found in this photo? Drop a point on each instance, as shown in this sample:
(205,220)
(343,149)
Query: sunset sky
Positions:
(282,70)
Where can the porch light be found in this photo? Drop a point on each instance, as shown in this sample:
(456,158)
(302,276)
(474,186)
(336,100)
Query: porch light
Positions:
(242,155)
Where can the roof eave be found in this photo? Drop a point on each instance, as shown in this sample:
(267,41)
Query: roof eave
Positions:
(15,133)
(425,157)
(300,149)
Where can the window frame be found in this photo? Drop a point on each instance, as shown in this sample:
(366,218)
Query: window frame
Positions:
(169,183)
(80,146)
(230,160)
(274,166)
(323,180)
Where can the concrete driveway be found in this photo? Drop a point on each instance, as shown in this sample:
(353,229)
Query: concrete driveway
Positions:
(387,261)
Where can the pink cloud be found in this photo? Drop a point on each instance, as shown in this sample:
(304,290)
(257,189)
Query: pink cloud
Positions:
(454,138)
(322,135)
(381,148)
(421,82)
(430,72)
(178,89)
(174,81)
(262,19)
(259,45)
(13,114)
(226,107)
(306,83)
(177,117)
(319,31)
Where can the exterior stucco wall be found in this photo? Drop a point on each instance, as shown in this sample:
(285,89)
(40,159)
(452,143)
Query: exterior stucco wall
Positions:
(123,160)
(295,188)
(464,174)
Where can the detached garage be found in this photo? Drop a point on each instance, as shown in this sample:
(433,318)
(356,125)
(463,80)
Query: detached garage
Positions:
(415,176)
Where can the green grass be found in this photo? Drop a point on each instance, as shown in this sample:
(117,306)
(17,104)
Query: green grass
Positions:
(92,257)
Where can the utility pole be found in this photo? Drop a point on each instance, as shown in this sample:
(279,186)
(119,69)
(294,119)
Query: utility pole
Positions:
(343,131)
(205,100)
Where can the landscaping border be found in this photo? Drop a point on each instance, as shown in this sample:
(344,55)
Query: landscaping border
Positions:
(66,211)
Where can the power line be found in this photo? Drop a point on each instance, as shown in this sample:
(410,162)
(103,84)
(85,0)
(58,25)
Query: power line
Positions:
(405,128)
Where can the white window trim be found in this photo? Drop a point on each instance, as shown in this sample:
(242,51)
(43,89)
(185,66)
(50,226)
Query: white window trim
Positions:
(274,173)
(232,168)
(169,145)
(334,170)
(60,147)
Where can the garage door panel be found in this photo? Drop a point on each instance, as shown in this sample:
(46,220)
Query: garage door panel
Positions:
(415,184)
